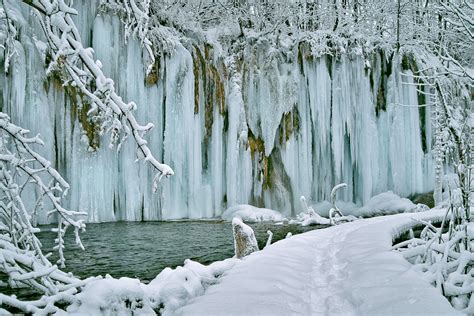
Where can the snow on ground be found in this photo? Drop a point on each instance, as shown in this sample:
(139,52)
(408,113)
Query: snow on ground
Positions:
(348,269)
(249,213)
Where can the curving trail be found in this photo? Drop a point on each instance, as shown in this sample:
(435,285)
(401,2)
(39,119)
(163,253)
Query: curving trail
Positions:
(343,270)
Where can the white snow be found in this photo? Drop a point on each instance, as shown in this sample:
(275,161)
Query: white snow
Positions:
(347,269)
(249,213)
(387,203)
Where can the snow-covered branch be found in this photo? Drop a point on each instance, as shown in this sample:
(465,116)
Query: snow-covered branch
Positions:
(84,73)
(8,33)
(24,171)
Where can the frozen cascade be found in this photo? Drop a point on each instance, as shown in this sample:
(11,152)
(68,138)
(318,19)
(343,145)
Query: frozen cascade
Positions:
(263,131)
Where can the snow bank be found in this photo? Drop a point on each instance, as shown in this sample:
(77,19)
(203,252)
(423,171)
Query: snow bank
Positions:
(249,213)
(385,203)
(388,203)
(346,269)
(171,289)
(111,296)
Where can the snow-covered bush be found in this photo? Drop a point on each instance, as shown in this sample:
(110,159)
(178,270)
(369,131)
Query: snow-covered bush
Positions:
(385,203)
(335,214)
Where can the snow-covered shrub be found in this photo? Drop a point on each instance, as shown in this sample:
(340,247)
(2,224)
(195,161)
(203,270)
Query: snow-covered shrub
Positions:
(111,296)
(335,214)
(445,254)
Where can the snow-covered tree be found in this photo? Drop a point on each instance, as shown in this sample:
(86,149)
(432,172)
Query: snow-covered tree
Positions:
(445,254)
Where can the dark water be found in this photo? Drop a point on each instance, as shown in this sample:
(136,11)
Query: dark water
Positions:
(143,249)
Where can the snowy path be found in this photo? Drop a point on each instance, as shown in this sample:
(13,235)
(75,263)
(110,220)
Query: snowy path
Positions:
(344,270)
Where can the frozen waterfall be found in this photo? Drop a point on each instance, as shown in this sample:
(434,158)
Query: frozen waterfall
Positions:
(263,131)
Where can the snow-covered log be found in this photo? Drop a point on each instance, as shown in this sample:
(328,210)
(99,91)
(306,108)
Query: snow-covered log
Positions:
(309,216)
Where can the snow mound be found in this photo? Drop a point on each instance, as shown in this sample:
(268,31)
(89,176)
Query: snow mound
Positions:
(387,203)
(249,213)
(171,289)
(111,296)
(174,288)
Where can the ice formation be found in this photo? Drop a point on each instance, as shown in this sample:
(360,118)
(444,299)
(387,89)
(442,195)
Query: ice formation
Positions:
(260,133)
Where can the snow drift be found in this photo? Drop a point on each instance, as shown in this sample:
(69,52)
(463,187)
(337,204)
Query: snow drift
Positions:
(249,213)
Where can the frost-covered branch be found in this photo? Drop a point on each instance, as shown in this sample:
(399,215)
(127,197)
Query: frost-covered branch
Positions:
(140,21)
(8,32)
(441,254)
(84,73)
(24,171)
(335,214)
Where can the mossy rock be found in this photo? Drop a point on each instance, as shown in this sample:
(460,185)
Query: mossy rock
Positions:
(154,75)
(80,105)
(256,144)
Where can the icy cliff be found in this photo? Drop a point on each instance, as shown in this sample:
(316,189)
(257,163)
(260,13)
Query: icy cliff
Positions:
(263,130)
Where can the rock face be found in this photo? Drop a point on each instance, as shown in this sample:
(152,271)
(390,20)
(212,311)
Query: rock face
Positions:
(244,239)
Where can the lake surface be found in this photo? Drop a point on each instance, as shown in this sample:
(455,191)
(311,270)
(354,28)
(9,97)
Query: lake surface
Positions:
(143,249)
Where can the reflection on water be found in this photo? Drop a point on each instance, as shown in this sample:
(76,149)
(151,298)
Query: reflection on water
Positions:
(143,249)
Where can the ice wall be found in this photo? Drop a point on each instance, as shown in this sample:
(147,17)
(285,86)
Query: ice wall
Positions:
(262,131)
